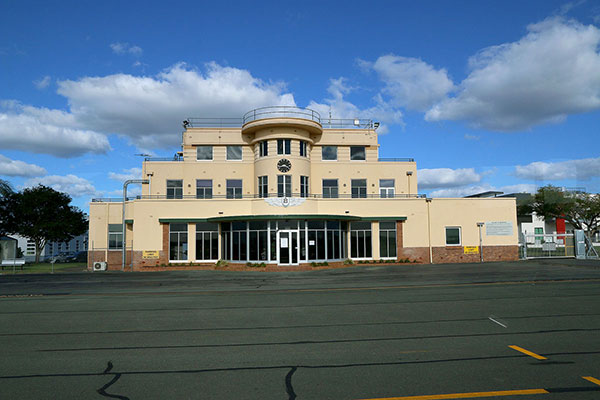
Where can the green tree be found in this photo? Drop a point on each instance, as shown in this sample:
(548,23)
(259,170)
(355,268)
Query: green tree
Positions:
(41,214)
(581,210)
(5,188)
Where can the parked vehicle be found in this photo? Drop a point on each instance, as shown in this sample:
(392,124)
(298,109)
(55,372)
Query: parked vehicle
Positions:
(79,257)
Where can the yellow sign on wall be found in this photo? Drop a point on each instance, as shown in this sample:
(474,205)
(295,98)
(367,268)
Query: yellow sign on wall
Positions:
(150,254)
(471,249)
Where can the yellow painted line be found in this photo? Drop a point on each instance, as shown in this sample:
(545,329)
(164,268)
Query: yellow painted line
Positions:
(592,379)
(468,395)
(529,353)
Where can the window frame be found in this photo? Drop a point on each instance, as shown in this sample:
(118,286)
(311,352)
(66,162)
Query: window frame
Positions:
(205,195)
(284,186)
(263,148)
(323,153)
(459,236)
(303,148)
(241,153)
(304,186)
(116,234)
(361,191)
(263,186)
(337,189)
(234,189)
(387,189)
(204,147)
(284,147)
(174,190)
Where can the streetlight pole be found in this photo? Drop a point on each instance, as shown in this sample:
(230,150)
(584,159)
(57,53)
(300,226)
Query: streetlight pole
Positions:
(124,245)
(480,225)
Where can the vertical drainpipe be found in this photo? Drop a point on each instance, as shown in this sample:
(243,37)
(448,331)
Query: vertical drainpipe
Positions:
(124,247)
(428,201)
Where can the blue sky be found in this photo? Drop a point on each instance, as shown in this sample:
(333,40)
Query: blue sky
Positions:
(485,95)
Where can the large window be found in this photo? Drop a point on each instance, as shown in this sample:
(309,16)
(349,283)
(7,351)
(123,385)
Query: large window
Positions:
(303,186)
(284,186)
(115,236)
(330,188)
(207,241)
(263,148)
(174,189)
(453,236)
(360,240)
(359,188)
(329,153)
(203,188)
(284,146)
(263,186)
(234,188)
(257,236)
(234,153)
(357,153)
(387,239)
(204,153)
(303,152)
(178,242)
(386,188)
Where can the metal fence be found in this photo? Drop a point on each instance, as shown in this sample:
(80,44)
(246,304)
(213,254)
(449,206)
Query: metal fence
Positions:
(555,245)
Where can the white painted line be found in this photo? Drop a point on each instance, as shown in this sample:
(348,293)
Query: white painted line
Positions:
(499,323)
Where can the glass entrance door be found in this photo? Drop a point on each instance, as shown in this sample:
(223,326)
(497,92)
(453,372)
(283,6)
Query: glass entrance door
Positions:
(287,247)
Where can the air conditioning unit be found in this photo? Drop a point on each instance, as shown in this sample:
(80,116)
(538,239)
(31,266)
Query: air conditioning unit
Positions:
(99,266)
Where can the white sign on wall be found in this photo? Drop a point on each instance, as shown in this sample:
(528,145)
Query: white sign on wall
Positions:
(284,243)
(499,228)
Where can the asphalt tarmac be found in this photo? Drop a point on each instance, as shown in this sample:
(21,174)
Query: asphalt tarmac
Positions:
(524,330)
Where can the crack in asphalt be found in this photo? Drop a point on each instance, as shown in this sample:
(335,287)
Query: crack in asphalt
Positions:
(102,390)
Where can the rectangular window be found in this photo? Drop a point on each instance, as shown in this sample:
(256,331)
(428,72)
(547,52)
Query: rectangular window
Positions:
(234,188)
(387,240)
(263,148)
(329,153)
(357,153)
(303,152)
(207,241)
(263,186)
(453,236)
(386,188)
(115,236)
(203,188)
(174,189)
(359,188)
(204,153)
(303,186)
(360,240)
(234,153)
(178,242)
(330,188)
(284,186)
(284,146)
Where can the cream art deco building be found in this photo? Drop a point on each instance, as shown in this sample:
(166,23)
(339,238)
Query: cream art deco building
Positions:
(286,187)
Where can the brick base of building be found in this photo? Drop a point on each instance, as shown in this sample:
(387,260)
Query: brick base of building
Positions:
(456,254)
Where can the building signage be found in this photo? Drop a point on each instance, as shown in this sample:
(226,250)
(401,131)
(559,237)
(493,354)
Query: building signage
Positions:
(471,249)
(285,201)
(150,254)
(549,246)
(284,243)
(499,228)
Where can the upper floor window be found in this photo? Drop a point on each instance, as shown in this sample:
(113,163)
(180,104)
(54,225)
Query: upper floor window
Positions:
(263,186)
(359,188)
(174,188)
(386,188)
(330,188)
(115,236)
(204,153)
(203,188)
(303,186)
(263,148)
(329,153)
(234,188)
(453,236)
(303,152)
(284,186)
(357,153)
(284,146)
(234,152)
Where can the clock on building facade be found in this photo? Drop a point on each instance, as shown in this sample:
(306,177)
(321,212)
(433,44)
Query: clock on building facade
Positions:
(284,165)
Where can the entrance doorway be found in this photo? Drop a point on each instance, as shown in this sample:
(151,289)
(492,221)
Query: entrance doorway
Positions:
(287,247)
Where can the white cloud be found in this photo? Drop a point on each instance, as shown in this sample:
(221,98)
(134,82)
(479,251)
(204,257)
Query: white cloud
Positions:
(42,83)
(123,48)
(41,130)
(582,169)
(446,177)
(149,110)
(471,137)
(411,82)
(131,173)
(10,167)
(70,184)
(340,108)
(548,74)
